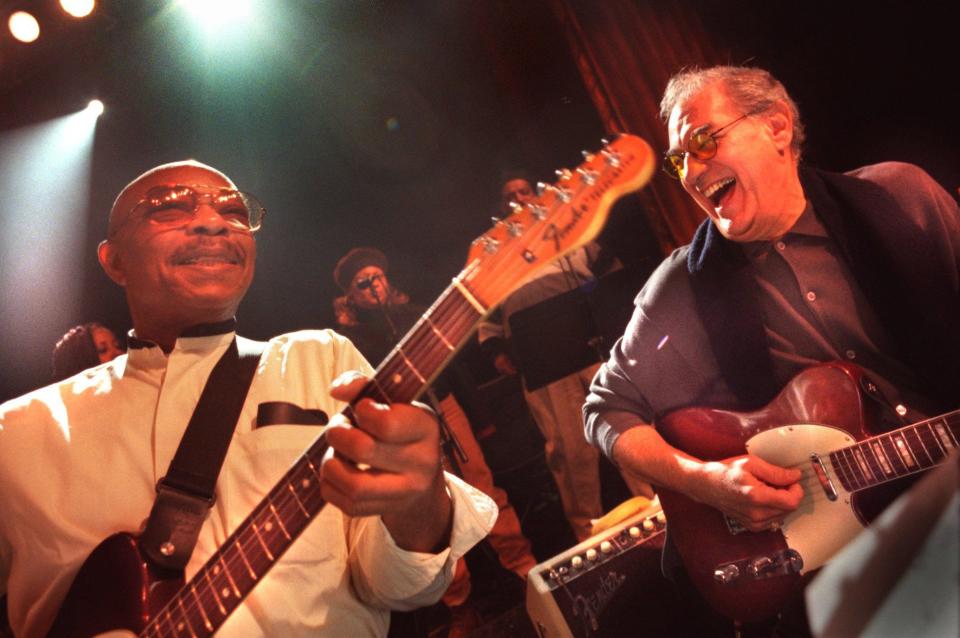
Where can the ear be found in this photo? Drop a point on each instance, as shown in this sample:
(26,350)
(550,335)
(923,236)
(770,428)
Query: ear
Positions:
(110,261)
(780,123)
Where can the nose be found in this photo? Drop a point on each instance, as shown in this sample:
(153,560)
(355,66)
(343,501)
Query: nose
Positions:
(207,220)
(692,169)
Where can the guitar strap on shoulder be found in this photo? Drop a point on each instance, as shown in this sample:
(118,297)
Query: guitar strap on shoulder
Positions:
(186,493)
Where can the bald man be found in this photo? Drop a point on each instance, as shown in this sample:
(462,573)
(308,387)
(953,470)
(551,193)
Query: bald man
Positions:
(79,459)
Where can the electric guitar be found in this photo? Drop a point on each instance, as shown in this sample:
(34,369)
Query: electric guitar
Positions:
(117,588)
(820,423)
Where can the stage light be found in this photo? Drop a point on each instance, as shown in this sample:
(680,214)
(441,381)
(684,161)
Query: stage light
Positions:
(95,108)
(212,14)
(78,8)
(24,26)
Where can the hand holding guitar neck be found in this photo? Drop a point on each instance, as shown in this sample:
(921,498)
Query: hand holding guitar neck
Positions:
(388,463)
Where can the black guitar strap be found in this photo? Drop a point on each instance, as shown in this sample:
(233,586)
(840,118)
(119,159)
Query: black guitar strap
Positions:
(186,493)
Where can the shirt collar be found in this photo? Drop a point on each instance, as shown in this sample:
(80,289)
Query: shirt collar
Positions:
(144,354)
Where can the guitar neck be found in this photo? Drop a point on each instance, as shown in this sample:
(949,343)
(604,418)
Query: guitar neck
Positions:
(896,454)
(235,569)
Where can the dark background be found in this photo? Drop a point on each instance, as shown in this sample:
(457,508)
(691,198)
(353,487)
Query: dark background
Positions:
(389,123)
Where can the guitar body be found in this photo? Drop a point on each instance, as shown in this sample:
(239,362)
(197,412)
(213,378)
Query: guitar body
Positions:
(819,411)
(115,589)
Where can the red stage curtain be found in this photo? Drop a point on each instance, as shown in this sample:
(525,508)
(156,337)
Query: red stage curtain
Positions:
(626,50)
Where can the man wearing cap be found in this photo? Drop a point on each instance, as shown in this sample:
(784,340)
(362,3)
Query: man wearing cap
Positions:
(79,459)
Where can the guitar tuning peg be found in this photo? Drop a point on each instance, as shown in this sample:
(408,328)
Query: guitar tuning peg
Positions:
(516,207)
(496,220)
(613,159)
(541,187)
(563,173)
(605,141)
(589,177)
(587,155)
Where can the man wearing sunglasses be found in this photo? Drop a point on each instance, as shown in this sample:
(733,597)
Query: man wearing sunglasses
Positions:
(80,460)
(793,267)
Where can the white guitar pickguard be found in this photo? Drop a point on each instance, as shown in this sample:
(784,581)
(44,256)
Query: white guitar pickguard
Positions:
(819,527)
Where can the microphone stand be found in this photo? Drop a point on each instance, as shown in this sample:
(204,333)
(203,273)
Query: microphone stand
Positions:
(449,444)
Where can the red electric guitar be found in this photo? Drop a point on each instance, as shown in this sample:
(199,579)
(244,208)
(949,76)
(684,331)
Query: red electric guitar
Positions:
(820,423)
(118,589)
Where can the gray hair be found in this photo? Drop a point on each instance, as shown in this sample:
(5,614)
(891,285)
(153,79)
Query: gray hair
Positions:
(749,88)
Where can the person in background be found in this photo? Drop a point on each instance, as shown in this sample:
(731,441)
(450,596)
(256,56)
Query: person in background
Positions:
(375,315)
(83,347)
(556,406)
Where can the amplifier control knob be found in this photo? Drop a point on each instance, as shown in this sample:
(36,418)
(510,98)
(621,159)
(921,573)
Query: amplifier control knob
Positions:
(648,525)
(606,547)
(661,519)
(591,554)
(634,531)
(576,562)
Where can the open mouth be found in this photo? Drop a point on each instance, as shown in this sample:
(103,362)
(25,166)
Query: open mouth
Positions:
(718,190)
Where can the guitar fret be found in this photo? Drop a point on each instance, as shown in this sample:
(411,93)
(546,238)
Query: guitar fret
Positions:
(203,613)
(861,476)
(226,572)
(213,590)
(186,621)
(243,557)
(256,532)
(922,447)
(468,296)
(904,451)
(839,470)
(877,448)
(276,515)
(944,434)
(439,334)
(931,435)
(409,365)
(862,462)
(893,455)
(296,498)
(173,626)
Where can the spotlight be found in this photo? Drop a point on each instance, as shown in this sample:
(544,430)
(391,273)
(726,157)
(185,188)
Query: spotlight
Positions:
(213,14)
(95,108)
(78,8)
(24,26)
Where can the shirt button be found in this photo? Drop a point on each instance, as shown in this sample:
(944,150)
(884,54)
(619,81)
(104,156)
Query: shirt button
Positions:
(850,354)
(811,296)
(780,246)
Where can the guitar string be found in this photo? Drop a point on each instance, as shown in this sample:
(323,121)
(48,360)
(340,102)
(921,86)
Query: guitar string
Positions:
(233,561)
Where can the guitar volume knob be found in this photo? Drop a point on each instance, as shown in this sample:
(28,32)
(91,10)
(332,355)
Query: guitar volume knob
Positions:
(726,574)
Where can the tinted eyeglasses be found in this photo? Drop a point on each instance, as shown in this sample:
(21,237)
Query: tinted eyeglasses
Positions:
(701,145)
(175,205)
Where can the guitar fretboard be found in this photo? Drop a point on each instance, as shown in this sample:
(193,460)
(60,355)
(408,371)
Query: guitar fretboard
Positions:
(904,451)
(246,556)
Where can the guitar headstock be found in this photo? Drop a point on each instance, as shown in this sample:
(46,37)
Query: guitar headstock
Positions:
(565,215)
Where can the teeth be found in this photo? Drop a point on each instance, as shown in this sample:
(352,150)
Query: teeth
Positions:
(713,188)
(205,261)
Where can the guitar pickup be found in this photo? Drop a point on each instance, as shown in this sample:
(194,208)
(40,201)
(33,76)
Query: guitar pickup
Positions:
(821,474)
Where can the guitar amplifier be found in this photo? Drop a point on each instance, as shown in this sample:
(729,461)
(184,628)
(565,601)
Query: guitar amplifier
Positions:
(608,585)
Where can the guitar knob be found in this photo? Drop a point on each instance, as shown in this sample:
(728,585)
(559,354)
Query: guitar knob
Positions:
(760,566)
(726,574)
